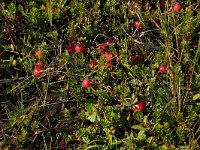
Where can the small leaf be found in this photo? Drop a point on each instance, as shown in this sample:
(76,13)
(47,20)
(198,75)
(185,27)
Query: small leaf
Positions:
(93,117)
(145,119)
(149,139)
(89,107)
(141,135)
(196,96)
(138,115)
(126,102)
(21,139)
(139,127)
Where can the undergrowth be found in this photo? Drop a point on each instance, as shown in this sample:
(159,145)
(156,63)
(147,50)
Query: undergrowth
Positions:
(54,111)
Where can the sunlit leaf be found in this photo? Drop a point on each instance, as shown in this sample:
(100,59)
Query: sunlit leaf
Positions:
(196,96)
(138,127)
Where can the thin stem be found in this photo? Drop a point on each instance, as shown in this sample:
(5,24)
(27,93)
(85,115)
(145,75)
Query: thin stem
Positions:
(179,95)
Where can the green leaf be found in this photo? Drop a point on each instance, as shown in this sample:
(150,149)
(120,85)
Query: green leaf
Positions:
(163,147)
(21,139)
(94,117)
(138,115)
(196,96)
(138,127)
(145,119)
(89,107)
(141,135)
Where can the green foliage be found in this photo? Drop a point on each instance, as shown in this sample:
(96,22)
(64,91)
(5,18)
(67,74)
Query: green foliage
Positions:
(54,111)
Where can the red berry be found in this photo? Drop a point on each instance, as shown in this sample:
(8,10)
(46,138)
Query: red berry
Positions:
(108,41)
(37,72)
(138,25)
(136,59)
(136,6)
(70,47)
(140,106)
(103,46)
(93,63)
(86,83)
(39,64)
(162,69)
(79,48)
(38,54)
(177,6)
(109,56)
